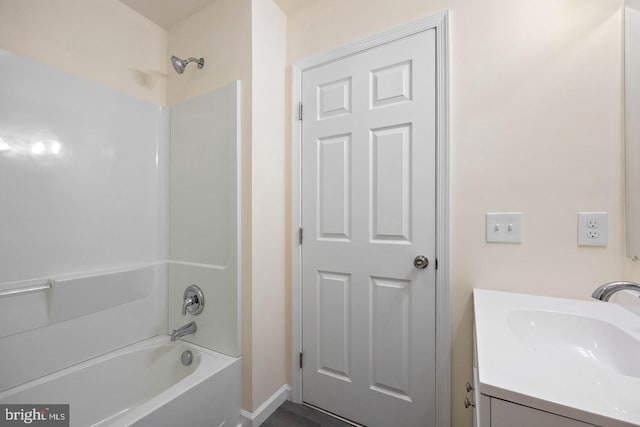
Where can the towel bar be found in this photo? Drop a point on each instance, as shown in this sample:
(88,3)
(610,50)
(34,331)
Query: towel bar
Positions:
(27,290)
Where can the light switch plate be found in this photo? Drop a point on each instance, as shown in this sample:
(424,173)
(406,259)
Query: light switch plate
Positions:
(593,229)
(504,227)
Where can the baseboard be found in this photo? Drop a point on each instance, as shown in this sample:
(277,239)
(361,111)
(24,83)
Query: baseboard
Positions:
(267,408)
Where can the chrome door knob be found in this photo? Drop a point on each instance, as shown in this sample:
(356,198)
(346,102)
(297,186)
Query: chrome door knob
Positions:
(421,262)
(469,387)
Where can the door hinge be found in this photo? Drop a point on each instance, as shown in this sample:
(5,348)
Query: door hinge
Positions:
(301,353)
(300,236)
(436,263)
(299,110)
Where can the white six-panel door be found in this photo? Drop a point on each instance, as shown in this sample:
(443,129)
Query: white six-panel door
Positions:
(368,210)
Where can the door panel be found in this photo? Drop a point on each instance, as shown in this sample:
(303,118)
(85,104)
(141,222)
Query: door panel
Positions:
(390,317)
(368,209)
(334,312)
(334,99)
(391,84)
(334,186)
(391,183)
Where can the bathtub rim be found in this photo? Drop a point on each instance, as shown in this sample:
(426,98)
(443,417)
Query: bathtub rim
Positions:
(212,363)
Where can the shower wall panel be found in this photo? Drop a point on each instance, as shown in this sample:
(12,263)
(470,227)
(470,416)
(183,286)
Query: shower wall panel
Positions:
(84,202)
(204,215)
(81,173)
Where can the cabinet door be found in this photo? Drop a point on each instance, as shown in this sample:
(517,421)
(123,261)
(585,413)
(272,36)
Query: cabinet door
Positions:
(507,414)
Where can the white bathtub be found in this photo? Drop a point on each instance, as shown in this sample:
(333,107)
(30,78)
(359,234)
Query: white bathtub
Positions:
(144,384)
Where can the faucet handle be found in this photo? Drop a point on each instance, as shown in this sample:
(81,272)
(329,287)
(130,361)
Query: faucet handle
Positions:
(186,303)
(193,300)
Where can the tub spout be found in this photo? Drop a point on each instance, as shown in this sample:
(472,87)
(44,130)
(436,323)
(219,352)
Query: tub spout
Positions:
(188,329)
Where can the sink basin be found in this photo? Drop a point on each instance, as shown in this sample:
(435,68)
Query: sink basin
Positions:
(572,337)
(576,358)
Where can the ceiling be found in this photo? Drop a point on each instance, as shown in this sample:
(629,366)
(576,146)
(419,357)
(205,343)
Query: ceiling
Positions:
(289,6)
(165,13)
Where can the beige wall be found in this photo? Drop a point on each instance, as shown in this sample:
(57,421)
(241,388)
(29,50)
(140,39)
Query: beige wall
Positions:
(268,151)
(221,33)
(535,127)
(100,40)
(631,270)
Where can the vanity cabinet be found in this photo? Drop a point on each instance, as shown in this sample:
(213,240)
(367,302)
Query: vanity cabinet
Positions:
(500,413)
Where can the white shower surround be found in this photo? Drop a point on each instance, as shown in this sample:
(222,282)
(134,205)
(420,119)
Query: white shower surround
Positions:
(84,195)
(85,198)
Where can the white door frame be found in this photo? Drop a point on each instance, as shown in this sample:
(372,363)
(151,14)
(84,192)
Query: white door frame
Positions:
(443,329)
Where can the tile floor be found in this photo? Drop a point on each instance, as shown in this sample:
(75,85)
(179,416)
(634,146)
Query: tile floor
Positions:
(293,415)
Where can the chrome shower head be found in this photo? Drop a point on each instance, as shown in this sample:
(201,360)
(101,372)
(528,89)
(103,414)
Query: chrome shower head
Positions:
(180,64)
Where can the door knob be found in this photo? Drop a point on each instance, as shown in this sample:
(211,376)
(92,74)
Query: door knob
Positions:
(421,262)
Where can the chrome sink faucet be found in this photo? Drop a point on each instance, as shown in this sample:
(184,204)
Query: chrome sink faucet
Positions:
(188,329)
(604,292)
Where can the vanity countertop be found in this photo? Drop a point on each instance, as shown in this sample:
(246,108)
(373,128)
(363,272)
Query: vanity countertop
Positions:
(579,359)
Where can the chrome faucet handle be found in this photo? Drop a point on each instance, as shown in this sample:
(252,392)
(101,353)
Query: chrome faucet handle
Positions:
(186,303)
(193,300)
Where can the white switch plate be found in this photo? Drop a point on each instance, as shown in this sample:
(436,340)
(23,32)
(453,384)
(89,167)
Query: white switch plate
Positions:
(592,229)
(504,227)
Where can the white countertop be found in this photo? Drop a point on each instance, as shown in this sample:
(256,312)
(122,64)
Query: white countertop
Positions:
(556,355)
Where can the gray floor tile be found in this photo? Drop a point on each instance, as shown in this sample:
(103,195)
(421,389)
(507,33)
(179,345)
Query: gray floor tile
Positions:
(294,415)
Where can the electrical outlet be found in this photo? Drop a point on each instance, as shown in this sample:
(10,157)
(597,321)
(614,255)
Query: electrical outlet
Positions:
(592,228)
(592,223)
(592,234)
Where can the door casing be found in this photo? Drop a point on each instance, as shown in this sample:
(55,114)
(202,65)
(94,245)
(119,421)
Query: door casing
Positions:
(439,22)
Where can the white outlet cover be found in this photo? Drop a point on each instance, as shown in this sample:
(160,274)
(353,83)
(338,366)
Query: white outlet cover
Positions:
(504,227)
(593,228)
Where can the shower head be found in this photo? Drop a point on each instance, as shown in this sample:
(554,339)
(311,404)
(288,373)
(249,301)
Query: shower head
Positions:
(180,64)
